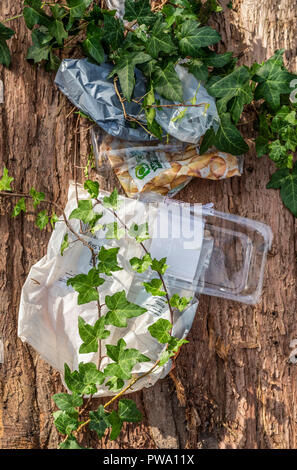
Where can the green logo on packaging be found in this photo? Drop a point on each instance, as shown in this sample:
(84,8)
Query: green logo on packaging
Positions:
(142,170)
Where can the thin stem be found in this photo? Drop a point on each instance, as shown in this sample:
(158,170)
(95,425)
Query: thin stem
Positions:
(11,19)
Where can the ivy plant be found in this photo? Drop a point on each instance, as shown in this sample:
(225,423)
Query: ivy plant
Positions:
(113,311)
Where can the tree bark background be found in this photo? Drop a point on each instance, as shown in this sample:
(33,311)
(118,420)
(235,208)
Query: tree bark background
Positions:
(233,386)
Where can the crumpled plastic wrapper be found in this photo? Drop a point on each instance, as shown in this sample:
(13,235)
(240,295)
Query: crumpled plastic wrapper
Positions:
(163,168)
(48,314)
(88,87)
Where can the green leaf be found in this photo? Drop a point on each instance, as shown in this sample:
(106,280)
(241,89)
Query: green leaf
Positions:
(84,380)
(279,154)
(41,45)
(114,231)
(64,244)
(174,344)
(84,212)
(165,356)
(99,421)
(54,218)
(113,31)
(116,423)
(228,138)
(262,145)
(141,264)
(160,41)
(93,46)
(37,197)
(273,80)
(19,207)
(286,180)
(108,262)
(167,83)
(5,34)
(120,309)
(140,11)
(124,68)
(159,265)
(198,69)
(91,335)
(92,187)
(66,422)
(235,87)
(154,287)
(128,411)
(5,181)
(57,30)
(115,384)
(217,60)
(86,286)
(112,201)
(77,9)
(67,402)
(161,330)
(34,15)
(139,232)
(191,37)
(179,302)
(70,443)
(208,141)
(42,220)
(124,361)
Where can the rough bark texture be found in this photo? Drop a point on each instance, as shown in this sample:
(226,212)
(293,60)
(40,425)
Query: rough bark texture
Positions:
(233,386)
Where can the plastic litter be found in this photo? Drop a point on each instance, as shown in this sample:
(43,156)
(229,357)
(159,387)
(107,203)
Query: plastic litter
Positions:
(222,255)
(164,168)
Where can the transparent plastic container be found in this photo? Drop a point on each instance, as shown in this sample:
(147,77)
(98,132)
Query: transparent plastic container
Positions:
(232,257)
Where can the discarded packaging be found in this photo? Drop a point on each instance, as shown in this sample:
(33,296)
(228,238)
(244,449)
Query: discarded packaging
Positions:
(207,251)
(144,167)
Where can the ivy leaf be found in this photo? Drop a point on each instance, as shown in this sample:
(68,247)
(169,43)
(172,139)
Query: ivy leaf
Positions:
(5,34)
(140,11)
(91,335)
(165,356)
(54,218)
(228,138)
(70,443)
(208,141)
(113,31)
(84,212)
(191,37)
(66,422)
(235,87)
(67,402)
(34,14)
(41,45)
(108,262)
(159,265)
(174,344)
(115,384)
(279,154)
(126,359)
(261,145)
(5,181)
(273,80)
(141,264)
(86,286)
(124,68)
(128,411)
(77,9)
(93,47)
(159,41)
(19,207)
(112,201)
(139,232)
(167,83)
(286,180)
(114,231)
(217,60)
(179,302)
(116,423)
(198,69)
(154,287)
(83,381)
(120,309)
(37,197)
(161,330)
(64,244)
(92,187)
(57,30)
(99,421)
(42,220)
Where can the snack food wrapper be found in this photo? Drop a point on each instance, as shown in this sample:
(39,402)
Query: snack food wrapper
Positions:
(163,168)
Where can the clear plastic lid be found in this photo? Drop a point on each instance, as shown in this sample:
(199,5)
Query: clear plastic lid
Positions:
(227,261)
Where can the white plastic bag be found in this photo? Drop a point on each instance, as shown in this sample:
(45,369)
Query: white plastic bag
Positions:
(48,315)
